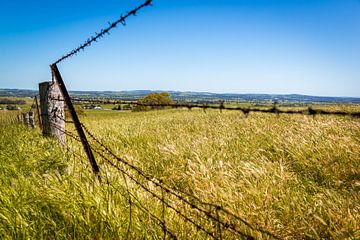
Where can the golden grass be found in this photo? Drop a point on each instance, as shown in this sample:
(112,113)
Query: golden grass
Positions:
(296,176)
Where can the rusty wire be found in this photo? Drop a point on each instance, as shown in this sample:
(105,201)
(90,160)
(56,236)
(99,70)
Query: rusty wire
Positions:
(246,110)
(161,185)
(147,189)
(139,205)
(92,39)
(173,192)
(146,210)
(176,192)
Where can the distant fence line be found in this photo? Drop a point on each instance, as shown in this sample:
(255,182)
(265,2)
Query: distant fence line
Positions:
(246,110)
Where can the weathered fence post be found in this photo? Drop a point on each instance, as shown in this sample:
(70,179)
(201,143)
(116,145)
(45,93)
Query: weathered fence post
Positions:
(52,111)
(58,79)
(38,111)
(31,120)
(25,118)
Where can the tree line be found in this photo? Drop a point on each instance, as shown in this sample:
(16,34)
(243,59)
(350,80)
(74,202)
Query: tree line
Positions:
(14,102)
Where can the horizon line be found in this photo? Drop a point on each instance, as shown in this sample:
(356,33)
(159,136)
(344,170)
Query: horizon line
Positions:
(190,91)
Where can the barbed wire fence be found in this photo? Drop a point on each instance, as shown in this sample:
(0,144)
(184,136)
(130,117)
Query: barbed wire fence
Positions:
(221,106)
(203,216)
(104,31)
(209,220)
(219,222)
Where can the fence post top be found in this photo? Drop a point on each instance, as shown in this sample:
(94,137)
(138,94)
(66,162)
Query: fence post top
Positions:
(45,82)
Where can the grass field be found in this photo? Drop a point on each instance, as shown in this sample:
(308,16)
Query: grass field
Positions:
(295,176)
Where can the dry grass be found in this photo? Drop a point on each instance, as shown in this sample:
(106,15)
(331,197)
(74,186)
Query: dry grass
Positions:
(296,176)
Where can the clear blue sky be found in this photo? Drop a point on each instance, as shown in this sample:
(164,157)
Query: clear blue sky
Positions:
(238,46)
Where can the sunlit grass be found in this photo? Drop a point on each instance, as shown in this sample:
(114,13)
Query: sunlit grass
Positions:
(296,176)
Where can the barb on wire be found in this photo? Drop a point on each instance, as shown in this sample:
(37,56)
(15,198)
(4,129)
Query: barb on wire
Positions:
(92,39)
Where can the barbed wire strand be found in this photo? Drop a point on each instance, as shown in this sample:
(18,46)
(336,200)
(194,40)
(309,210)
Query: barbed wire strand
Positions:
(154,194)
(168,189)
(181,214)
(146,210)
(211,234)
(149,191)
(245,110)
(92,39)
(162,223)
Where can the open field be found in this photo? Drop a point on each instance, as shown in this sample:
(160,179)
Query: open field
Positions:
(295,176)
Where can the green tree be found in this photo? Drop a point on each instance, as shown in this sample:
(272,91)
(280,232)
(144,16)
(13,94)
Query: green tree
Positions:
(154,100)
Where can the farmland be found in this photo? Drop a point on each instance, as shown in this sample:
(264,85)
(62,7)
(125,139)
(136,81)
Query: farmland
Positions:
(199,120)
(294,175)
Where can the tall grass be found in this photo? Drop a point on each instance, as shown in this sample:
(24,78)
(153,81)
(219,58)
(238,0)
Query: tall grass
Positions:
(296,176)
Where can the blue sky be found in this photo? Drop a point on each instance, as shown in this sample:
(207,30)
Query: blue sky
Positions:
(239,46)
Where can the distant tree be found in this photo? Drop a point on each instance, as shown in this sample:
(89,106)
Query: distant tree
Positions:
(127,107)
(13,102)
(154,100)
(123,107)
(117,108)
(12,107)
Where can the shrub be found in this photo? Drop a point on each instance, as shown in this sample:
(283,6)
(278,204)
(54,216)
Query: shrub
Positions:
(154,100)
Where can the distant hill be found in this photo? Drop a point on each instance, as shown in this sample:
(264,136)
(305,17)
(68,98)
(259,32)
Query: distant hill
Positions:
(193,96)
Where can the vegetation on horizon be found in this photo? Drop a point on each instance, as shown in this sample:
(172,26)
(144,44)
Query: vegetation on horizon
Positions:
(153,99)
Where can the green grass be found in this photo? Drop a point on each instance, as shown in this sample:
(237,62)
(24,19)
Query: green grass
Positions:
(295,176)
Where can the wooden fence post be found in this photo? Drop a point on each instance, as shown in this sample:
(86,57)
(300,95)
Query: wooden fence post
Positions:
(52,111)
(25,117)
(31,120)
(38,112)
(19,119)
(58,79)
